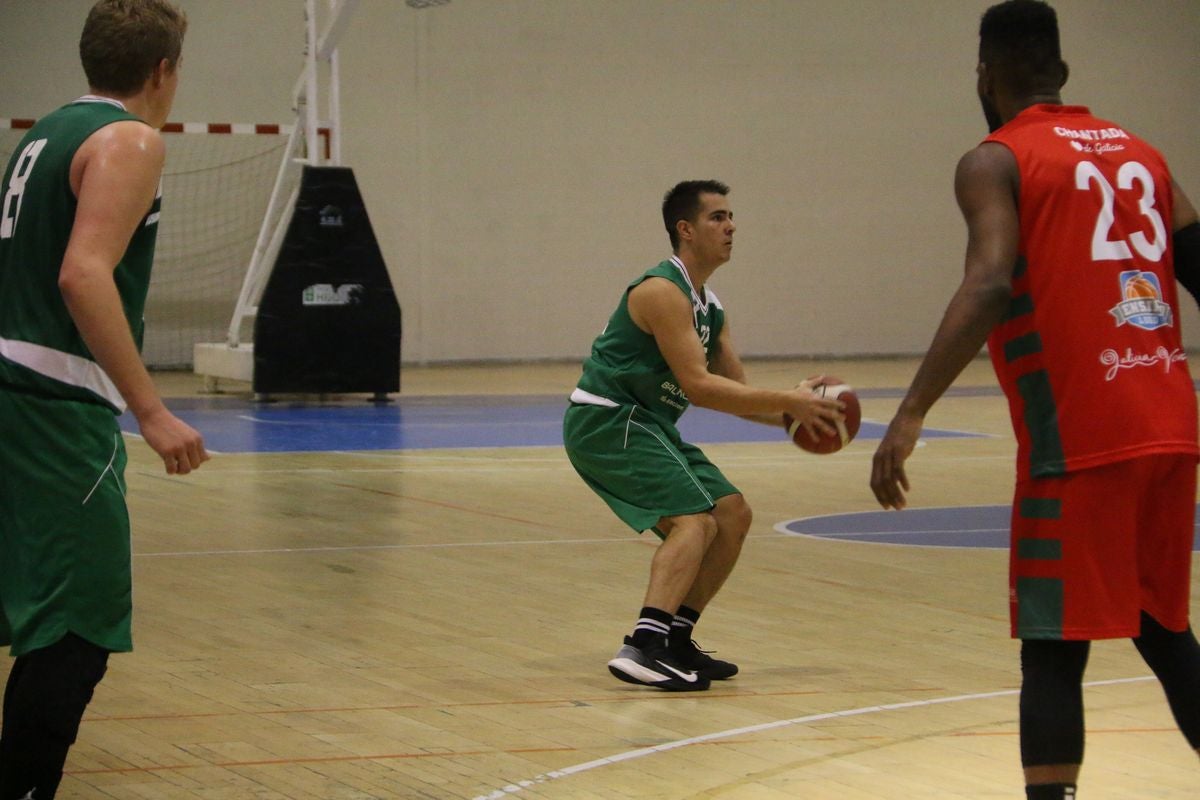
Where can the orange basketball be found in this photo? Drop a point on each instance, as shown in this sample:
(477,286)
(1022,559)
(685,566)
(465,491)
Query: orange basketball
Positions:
(1139,287)
(847,429)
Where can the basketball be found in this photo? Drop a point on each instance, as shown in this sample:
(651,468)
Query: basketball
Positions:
(1137,287)
(847,429)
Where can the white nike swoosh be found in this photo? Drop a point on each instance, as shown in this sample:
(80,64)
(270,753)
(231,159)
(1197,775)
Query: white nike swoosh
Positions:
(690,677)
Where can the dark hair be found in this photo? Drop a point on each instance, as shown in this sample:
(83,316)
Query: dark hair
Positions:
(683,202)
(1021,37)
(124,40)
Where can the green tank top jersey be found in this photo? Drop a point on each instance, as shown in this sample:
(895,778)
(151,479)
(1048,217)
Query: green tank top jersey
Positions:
(626,367)
(41,350)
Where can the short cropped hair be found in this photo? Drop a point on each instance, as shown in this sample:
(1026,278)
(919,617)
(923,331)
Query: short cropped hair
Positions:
(683,202)
(124,40)
(1021,36)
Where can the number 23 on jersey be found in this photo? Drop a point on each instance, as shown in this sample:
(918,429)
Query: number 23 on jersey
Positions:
(1132,176)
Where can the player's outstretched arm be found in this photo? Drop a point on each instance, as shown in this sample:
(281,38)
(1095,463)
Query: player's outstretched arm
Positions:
(985,184)
(658,307)
(115,176)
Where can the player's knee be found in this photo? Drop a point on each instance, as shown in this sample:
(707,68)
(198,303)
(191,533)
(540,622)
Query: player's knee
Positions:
(1051,704)
(1053,662)
(734,516)
(56,688)
(701,528)
(1163,649)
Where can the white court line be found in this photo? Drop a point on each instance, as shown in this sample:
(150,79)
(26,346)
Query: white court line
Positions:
(350,548)
(432,546)
(133,435)
(498,463)
(629,755)
(319,423)
(410,469)
(891,533)
(433,455)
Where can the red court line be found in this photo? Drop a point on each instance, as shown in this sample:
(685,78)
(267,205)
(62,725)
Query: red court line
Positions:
(564,702)
(271,762)
(451,506)
(1090,731)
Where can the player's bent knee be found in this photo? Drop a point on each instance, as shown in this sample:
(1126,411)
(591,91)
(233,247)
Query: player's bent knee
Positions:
(734,515)
(703,526)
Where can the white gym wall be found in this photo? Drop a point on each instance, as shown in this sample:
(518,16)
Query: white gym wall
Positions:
(513,153)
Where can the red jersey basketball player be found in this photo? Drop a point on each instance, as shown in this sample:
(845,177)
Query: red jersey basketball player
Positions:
(1076,236)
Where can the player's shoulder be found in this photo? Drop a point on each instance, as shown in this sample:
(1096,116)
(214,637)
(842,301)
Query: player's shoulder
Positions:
(656,296)
(657,286)
(132,141)
(987,156)
(986,162)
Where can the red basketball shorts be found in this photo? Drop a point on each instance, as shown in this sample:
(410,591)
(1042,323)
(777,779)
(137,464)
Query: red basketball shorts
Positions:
(1091,550)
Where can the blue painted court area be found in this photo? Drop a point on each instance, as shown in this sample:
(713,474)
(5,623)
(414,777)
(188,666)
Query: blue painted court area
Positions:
(958,526)
(236,425)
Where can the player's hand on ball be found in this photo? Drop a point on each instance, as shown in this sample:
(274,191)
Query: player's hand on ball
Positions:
(816,414)
(819,438)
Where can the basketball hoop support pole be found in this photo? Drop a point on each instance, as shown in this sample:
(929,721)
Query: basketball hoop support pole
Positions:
(305,104)
(233,358)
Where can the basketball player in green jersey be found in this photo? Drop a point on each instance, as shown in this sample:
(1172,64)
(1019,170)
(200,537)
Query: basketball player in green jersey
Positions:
(78,220)
(668,345)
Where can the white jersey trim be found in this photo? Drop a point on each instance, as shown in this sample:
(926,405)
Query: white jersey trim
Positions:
(697,300)
(586,398)
(95,98)
(70,369)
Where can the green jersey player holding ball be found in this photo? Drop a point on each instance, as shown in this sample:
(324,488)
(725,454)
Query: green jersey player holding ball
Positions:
(668,345)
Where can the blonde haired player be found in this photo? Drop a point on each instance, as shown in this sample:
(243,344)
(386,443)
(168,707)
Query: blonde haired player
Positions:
(78,222)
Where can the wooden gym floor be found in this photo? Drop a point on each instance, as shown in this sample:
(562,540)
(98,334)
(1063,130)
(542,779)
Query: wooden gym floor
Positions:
(435,624)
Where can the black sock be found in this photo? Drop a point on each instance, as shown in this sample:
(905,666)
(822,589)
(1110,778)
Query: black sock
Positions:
(1050,791)
(652,623)
(683,623)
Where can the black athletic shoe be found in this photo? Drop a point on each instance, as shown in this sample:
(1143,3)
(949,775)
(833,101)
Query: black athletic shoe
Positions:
(653,665)
(687,653)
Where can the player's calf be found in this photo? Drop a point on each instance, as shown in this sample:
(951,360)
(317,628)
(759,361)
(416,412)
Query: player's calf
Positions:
(47,693)
(1175,659)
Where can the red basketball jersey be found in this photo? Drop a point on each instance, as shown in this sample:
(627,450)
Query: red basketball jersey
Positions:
(1090,354)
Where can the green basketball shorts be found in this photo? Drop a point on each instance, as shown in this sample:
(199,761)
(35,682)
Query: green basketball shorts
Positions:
(64,527)
(639,465)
